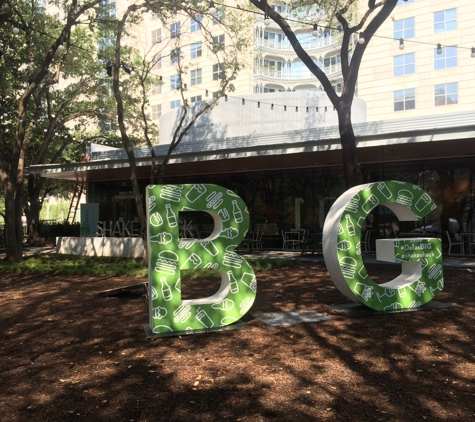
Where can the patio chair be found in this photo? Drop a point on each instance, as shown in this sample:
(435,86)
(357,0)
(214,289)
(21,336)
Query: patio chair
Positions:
(455,240)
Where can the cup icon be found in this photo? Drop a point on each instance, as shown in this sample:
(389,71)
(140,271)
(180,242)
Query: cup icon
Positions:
(204,318)
(370,203)
(195,192)
(250,281)
(210,247)
(423,202)
(383,188)
(194,261)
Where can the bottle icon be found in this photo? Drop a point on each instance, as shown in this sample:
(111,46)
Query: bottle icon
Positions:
(350,227)
(237,213)
(171,216)
(233,284)
(166,290)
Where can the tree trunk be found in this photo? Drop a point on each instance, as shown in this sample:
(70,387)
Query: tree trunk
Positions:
(33,210)
(351,168)
(13,242)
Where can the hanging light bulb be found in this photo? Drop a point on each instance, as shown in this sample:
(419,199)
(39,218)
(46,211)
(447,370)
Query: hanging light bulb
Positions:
(315,30)
(225,97)
(160,80)
(243,101)
(307,109)
(185,87)
(16,30)
(439,49)
(99,60)
(285,108)
(472,55)
(206,93)
(132,72)
(296,109)
(266,19)
(258,104)
(361,39)
(212,9)
(401,44)
(60,47)
(272,106)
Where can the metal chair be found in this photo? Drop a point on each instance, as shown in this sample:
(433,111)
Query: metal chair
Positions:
(455,240)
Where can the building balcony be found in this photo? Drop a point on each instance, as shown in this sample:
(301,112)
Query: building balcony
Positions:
(301,76)
(313,46)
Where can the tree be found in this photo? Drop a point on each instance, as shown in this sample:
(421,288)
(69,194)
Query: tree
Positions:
(343,11)
(227,59)
(45,43)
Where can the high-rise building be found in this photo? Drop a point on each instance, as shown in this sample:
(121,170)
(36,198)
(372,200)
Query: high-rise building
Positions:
(421,61)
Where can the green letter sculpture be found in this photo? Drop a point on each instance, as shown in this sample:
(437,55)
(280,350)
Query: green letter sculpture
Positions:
(421,278)
(168,255)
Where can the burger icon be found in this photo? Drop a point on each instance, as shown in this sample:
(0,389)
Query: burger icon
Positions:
(348,266)
(405,197)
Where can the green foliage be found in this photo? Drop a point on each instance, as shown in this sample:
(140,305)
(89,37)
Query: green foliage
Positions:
(113,267)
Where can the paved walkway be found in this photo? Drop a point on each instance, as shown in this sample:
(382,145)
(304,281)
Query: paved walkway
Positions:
(462,261)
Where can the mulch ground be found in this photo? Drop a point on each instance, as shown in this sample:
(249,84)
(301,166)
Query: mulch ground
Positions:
(69,355)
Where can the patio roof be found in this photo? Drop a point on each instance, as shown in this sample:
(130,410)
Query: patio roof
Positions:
(439,136)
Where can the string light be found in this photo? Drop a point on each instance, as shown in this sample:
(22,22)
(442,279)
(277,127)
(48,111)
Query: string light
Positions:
(401,44)
(16,30)
(212,9)
(272,106)
(266,19)
(243,101)
(361,39)
(296,109)
(285,108)
(61,47)
(258,104)
(439,49)
(315,30)
(472,55)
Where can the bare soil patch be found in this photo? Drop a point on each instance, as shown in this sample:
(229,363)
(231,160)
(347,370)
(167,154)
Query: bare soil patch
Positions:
(69,355)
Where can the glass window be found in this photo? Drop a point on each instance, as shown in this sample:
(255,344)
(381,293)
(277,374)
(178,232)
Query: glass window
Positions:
(157,36)
(404,64)
(195,24)
(196,99)
(175,56)
(218,72)
(218,17)
(196,77)
(175,30)
(338,87)
(445,20)
(196,50)
(156,111)
(405,99)
(446,94)
(403,28)
(401,2)
(156,89)
(175,104)
(174,82)
(446,59)
(218,43)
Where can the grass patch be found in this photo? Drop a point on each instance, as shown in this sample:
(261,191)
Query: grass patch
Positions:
(114,267)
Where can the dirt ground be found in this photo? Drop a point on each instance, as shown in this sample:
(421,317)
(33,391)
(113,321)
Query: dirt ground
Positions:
(69,355)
